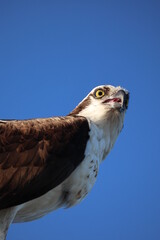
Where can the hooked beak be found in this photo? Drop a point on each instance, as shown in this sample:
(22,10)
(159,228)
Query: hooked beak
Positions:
(119,100)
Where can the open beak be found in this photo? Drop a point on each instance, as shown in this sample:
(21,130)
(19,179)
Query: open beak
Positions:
(119,100)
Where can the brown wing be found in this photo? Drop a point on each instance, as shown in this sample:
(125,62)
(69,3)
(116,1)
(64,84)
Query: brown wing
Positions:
(37,155)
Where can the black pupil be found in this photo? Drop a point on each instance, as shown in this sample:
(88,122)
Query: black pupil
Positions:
(100,93)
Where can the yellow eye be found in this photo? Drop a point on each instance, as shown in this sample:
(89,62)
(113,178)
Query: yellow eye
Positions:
(99,93)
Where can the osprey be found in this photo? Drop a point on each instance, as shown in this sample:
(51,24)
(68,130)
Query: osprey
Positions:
(53,162)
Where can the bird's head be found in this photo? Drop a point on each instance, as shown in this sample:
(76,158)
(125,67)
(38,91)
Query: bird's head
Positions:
(103,103)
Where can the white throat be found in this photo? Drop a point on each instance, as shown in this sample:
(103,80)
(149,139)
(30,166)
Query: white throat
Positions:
(109,123)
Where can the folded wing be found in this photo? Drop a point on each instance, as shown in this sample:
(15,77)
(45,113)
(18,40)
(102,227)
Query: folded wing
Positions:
(37,155)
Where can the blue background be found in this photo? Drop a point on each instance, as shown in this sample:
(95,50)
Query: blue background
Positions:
(52,53)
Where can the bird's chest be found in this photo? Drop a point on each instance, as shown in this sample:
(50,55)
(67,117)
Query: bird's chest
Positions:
(81,181)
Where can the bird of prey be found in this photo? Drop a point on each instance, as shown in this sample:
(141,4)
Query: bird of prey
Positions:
(47,163)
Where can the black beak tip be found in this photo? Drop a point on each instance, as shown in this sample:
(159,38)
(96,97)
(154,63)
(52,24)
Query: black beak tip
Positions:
(126,99)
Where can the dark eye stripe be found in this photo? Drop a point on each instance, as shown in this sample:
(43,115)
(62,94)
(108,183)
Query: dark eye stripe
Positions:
(107,89)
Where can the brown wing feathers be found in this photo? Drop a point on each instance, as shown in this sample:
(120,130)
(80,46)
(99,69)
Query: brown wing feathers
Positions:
(37,155)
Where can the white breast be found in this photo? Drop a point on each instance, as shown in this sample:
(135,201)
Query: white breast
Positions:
(76,186)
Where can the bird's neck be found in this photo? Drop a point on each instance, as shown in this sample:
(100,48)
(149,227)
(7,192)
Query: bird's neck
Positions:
(108,130)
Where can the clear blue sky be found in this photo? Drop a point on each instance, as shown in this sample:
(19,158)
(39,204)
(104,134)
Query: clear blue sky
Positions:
(52,53)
